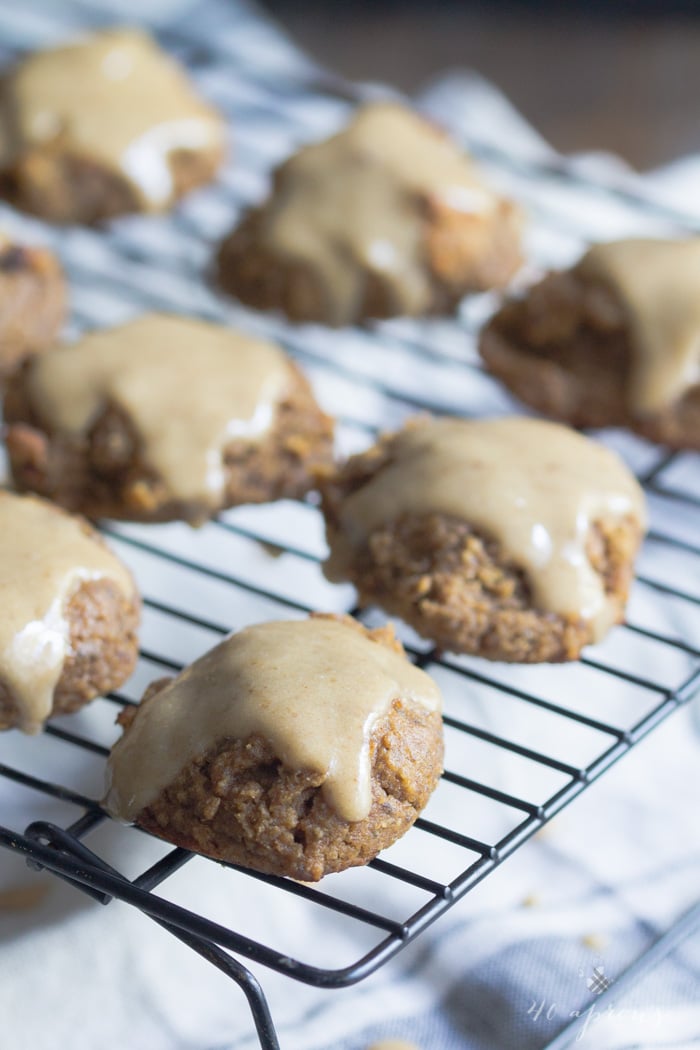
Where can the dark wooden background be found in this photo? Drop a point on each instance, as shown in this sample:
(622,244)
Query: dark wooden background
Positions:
(623,77)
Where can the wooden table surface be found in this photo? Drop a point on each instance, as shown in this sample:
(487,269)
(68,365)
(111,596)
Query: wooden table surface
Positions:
(629,84)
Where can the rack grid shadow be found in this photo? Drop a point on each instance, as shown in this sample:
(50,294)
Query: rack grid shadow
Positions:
(532,739)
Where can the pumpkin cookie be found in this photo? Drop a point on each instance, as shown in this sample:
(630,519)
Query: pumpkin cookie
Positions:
(68,616)
(511,539)
(615,341)
(387,217)
(296,748)
(103,126)
(164,417)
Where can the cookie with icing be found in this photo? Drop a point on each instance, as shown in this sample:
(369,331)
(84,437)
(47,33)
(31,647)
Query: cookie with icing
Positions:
(162,418)
(513,539)
(614,341)
(387,217)
(68,617)
(296,748)
(102,126)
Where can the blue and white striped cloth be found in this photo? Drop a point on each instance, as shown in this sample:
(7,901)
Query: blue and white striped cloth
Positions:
(544,935)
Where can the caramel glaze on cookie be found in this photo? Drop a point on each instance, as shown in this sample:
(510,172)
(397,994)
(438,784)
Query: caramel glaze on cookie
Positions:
(387,217)
(68,615)
(105,125)
(165,417)
(296,748)
(615,341)
(511,538)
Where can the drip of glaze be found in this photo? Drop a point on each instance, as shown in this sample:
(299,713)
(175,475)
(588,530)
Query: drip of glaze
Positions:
(658,282)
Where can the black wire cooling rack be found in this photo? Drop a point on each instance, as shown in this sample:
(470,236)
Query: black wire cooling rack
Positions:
(531,739)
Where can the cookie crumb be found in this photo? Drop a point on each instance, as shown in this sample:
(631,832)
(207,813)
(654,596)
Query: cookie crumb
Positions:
(597,942)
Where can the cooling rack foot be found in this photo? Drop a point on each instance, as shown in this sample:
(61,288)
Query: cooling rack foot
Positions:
(242,976)
(75,855)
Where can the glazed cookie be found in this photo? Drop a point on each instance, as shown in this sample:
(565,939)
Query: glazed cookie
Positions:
(296,748)
(615,341)
(164,417)
(387,217)
(106,125)
(68,617)
(512,539)
(32,302)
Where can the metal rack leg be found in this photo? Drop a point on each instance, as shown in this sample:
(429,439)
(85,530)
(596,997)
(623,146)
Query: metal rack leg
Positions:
(682,929)
(51,837)
(242,976)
